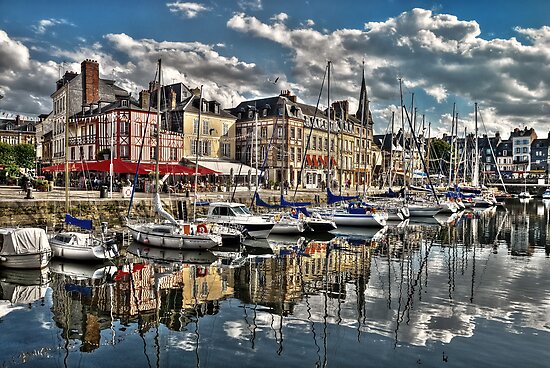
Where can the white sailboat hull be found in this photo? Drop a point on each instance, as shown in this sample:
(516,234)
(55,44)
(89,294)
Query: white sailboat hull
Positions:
(423,211)
(168,236)
(351,219)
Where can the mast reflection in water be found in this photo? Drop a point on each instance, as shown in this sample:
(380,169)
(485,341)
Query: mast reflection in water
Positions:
(469,290)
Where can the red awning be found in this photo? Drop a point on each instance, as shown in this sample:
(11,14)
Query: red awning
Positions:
(320,161)
(326,161)
(334,164)
(308,160)
(313,160)
(127,167)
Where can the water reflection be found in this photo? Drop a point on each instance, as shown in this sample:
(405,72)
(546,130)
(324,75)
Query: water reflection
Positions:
(443,290)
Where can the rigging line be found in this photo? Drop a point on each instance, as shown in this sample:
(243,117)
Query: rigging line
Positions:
(264,164)
(492,150)
(141,151)
(299,178)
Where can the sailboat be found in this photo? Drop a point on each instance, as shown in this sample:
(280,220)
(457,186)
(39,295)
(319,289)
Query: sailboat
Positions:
(79,245)
(170,233)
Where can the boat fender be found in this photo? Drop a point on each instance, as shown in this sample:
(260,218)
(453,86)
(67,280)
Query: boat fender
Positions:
(277,218)
(3,259)
(202,229)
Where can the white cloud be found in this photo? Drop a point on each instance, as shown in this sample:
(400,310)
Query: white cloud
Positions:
(188,10)
(44,24)
(310,22)
(250,4)
(438,55)
(280,18)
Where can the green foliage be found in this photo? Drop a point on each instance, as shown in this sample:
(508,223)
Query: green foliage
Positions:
(24,155)
(439,149)
(6,154)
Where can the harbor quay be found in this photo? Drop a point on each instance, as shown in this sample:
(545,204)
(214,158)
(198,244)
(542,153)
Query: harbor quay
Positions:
(47,208)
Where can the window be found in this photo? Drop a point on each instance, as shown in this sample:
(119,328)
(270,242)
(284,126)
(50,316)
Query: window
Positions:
(90,152)
(124,127)
(205,126)
(299,133)
(524,149)
(526,141)
(279,154)
(225,129)
(292,156)
(152,152)
(263,153)
(263,133)
(518,150)
(73,153)
(292,133)
(173,154)
(280,132)
(226,149)
(300,153)
(124,151)
(250,114)
(504,153)
(314,143)
(195,126)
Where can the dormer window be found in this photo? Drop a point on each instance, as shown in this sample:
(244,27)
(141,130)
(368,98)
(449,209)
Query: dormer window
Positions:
(124,103)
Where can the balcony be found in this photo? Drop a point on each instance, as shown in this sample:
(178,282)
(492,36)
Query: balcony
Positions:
(84,139)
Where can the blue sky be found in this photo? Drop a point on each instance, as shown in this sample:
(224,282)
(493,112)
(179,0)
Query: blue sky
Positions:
(493,52)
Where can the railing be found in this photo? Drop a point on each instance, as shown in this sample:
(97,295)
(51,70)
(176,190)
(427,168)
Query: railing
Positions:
(84,139)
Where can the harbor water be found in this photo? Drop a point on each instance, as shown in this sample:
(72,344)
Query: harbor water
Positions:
(467,290)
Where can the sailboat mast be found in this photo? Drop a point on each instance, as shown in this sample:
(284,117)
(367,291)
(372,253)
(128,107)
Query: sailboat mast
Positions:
(476,153)
(328,131)
(452,145)
(402,135)
(197,157)
(157,133)
(391,147)
(362,174)
(67,148)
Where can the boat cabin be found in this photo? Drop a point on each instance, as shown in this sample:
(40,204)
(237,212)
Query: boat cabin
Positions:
(226,209)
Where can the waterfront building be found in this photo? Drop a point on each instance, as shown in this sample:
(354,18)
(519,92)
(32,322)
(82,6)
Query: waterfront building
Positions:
(391,155)
(504,156)
(215,133)
(83,94)
(278,133)
(539,157)
(521,145)
(17,128)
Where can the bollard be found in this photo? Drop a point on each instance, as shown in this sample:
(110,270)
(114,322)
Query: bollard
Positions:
(29,194)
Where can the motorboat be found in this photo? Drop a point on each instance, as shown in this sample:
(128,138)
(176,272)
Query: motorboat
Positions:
(24,248)
(80,246)
(546,194)
(237,215)
(423,210)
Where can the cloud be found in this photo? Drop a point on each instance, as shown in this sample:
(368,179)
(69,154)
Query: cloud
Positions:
(44,24)
(188,10)
(250,4)
(439,56)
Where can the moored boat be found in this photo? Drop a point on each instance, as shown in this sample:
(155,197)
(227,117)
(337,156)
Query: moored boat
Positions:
(24,248)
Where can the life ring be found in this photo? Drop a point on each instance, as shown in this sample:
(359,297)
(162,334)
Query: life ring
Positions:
(202,229)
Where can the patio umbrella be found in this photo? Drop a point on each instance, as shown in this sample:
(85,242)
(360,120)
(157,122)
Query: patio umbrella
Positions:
(73,166)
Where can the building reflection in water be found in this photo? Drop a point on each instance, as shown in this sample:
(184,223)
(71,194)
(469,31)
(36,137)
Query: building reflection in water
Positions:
(413,284)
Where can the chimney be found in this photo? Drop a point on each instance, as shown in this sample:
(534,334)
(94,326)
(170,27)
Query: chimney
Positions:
(286,93)
(144,98)
(90,81)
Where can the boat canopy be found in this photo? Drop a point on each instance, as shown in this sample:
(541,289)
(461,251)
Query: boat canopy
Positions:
(332,198)
(285,203)
(23,241)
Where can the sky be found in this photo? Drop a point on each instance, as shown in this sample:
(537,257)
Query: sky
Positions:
(493,52)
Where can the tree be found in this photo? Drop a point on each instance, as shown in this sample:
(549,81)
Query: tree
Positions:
(24,155)
(6,154)
(440,153)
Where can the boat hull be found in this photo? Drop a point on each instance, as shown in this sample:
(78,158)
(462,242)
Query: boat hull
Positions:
(420,211)
(351,219)
(150,236)
(26,261)
(81,253)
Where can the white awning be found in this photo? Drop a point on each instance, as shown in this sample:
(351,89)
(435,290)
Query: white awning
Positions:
(224,167)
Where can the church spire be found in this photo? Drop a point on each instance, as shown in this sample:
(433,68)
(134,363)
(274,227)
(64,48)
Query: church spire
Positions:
(362,111)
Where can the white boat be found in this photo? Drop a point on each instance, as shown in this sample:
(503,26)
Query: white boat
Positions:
(24,248)
(237,215)
(285,224)
(79,246)
(174,236)
(420,210)
(546,194)
(448,206)
(352,216)
(313,222)
(525,195)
